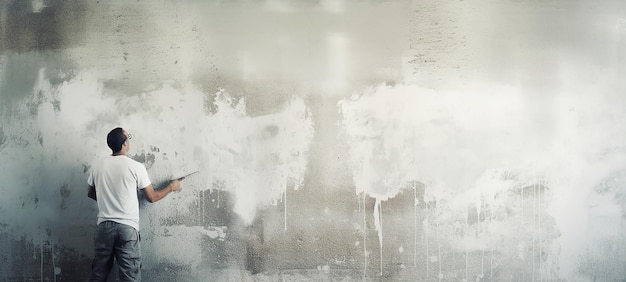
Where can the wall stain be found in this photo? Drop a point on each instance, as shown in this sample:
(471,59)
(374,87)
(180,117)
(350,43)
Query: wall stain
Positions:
(256,250)
(32,40)
(3,138)
(146,159)
(65,193)
(59,25)
(86,167)
(56,105)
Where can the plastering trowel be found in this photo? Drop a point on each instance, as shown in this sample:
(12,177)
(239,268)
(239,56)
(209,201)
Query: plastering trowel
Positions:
(183,178)
(186,175)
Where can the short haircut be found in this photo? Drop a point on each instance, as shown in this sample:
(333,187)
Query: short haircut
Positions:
(115,139)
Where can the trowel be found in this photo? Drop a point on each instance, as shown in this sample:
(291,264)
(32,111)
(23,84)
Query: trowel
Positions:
(186,175)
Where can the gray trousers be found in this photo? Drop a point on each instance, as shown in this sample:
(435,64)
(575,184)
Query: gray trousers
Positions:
(119,242)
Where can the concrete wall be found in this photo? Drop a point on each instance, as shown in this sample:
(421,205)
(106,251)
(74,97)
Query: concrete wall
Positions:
(336,140)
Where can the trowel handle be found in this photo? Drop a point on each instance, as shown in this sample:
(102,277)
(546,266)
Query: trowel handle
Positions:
(185,176)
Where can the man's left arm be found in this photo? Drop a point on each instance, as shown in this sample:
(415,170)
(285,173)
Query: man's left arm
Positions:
(92,193)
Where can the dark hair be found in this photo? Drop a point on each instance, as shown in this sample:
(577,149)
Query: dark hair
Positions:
(115,139)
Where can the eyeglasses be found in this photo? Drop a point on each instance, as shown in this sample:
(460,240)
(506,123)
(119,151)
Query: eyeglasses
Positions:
(128,137)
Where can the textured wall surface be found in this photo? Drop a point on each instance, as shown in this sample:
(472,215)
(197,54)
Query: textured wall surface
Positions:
(473,140)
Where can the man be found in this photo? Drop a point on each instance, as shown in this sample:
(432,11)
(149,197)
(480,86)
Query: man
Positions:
(113,183)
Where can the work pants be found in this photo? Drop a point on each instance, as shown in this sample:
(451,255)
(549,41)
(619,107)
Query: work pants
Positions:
(119,242)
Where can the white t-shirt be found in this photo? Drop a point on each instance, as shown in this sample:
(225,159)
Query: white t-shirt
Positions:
(117,180)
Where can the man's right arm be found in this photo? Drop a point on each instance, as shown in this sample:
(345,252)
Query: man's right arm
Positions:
(155,195)
(92,193)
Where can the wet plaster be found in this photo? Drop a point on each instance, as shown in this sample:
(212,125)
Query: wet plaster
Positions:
(335,140)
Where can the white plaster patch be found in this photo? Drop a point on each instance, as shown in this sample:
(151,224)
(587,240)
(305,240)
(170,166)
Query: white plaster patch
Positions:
(255,158)
(482,147)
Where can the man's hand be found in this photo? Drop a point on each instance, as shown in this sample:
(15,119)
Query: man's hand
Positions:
(174,185)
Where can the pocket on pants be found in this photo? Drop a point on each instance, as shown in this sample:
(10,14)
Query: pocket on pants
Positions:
(128,254)
(128,242)
(128,233)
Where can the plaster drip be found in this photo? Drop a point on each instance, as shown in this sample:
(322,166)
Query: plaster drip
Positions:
(364,239)
(491,208)
(203,208)
(439,258)
(534,227)
(426,224)
(54,268)
(482,263)
(522,188)
(41,257)
(465,231)
(415,202)
(378,222)
(540,241)
(285,207)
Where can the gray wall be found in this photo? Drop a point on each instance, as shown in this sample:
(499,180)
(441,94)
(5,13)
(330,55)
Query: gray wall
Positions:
(336,140)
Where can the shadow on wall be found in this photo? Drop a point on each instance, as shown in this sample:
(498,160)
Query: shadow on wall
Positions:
(41,25)
(47,223)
